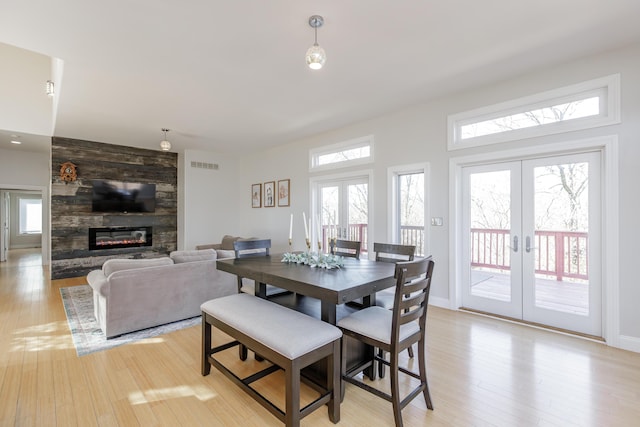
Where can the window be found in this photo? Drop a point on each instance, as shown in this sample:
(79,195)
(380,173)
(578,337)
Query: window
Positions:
(409,206)
(582,106)
(349,153)
(30,216)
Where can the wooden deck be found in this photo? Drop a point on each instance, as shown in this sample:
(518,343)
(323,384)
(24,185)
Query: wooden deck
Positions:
(565,296)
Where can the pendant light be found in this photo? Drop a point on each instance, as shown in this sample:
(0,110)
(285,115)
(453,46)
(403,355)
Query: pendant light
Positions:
(315,55)
(165,145)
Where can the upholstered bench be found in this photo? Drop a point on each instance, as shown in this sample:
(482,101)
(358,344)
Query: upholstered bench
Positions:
(288,339)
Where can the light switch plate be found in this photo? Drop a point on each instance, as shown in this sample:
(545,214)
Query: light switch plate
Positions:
(436,221)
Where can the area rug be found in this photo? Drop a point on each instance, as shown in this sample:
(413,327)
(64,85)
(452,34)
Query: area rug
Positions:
(87,335)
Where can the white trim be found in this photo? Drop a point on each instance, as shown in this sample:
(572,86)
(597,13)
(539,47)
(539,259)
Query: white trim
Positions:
(608,145)
(392,211)
(608,88)
(364,141)
(629,343)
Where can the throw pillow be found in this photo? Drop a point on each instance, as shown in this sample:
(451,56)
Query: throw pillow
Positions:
(227,242)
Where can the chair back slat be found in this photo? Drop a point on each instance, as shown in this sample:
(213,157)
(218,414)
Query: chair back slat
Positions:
(252,248)
(413,283)
(388,252)
(348,248)
(411,315)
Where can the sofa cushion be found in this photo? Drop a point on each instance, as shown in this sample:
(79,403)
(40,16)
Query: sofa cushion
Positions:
(227,242)
(112,265)
(190,256)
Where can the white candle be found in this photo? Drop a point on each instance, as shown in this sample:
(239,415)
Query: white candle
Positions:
(306,227)
(291,227)
(335,228)
(319,230)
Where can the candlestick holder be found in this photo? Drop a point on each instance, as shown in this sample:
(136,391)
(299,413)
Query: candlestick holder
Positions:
(319,246)
(332,244)
(308,244)
(290,243)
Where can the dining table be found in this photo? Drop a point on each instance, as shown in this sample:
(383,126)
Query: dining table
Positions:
(357,278)
(308,286)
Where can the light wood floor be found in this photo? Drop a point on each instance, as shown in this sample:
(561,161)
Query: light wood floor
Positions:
(482,372)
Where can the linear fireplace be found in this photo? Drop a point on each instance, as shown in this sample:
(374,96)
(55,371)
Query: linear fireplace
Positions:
(119,237)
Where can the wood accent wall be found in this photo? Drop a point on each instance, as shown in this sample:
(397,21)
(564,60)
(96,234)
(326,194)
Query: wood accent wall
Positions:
(71,214)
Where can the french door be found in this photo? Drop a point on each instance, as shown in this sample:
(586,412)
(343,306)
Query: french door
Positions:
(344,210)
(531,241)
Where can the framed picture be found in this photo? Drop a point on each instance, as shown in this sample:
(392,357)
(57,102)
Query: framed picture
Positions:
(256,196)
(269,194)
(283,192)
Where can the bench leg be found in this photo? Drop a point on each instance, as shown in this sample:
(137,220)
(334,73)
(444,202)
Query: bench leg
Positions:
(292,378)
(334,382)
(206,345)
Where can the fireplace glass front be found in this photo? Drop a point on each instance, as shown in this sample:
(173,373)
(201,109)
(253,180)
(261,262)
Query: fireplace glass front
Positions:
(119,237)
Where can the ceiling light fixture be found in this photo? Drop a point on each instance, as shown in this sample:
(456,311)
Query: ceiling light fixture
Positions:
(315,55)
(50,88)
(165,145)
(16,142)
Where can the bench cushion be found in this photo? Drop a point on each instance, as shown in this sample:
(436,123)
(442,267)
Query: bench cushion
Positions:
(286,331)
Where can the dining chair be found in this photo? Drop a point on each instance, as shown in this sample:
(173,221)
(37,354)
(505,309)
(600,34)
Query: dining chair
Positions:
(347,248)
(393,331)
(389,252)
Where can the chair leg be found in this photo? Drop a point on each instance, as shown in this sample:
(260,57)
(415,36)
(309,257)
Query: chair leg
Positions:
(333,382)
(381,366)
(343,366)
(410,351)
(423,374)
(242,352)
(395,389)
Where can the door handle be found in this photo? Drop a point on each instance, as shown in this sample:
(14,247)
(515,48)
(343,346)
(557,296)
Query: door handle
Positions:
(527,245)
(515,244)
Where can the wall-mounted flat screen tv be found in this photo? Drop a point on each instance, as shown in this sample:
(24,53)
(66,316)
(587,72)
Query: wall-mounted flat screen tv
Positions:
(123,197)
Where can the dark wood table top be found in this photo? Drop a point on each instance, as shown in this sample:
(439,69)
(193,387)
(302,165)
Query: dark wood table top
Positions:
(357,279)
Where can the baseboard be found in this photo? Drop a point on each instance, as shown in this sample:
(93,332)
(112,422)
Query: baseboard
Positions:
(629,343)
(439,302)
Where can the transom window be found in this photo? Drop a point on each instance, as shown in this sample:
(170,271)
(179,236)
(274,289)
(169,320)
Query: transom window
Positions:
(582,106)
(348,153)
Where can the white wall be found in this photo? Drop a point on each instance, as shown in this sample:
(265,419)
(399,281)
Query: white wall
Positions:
(208,198)
(419,134)
(25,106)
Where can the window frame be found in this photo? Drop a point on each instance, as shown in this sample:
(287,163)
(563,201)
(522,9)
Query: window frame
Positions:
(393,202)
(316,153)
(606,88)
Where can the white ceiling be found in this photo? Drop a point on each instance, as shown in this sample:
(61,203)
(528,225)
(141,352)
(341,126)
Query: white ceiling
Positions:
(230,75)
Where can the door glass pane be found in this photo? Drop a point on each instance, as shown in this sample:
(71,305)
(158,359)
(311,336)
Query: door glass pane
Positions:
(358,213)
(411,206)
(330,205)
(490,220)
(561,237)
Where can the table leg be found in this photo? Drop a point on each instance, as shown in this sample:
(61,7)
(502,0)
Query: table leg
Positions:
(369,301)
(328,312)
(261,290)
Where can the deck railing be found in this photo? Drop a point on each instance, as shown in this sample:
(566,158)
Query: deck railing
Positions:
(409,235)
(557,253)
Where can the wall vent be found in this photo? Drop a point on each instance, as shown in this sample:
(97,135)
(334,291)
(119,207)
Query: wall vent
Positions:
(204,165)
